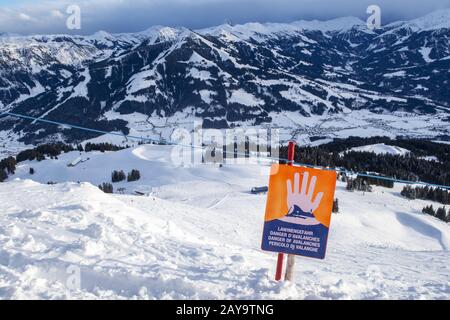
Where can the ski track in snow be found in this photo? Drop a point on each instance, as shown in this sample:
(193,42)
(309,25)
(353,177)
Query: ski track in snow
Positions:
(198,236)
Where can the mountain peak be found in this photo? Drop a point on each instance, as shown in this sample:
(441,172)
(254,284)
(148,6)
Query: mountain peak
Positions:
(439,19)
(101,34)
(162,32)
(435,20)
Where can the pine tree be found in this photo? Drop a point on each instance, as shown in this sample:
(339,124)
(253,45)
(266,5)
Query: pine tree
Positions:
(40,157)
(9,164)
(335,206)
(408,192)
(349,185)
(134,175)
(3,175)
(427,193)
(441,213)
(118,176)
(429,210)
(106,187)
(359,184)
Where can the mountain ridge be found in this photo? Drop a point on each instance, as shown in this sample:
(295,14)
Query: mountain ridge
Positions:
(335,24)
(230,76)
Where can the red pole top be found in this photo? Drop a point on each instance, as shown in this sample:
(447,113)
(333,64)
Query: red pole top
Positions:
(291,152)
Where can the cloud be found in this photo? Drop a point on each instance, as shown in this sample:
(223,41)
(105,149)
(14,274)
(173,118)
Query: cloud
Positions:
(24,17)
(47,16)
(57,14)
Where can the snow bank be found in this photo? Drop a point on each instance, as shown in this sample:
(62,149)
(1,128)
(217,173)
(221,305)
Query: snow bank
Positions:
(121,251)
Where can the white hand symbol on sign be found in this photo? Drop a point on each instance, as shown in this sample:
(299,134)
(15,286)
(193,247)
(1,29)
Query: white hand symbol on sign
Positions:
(301,198)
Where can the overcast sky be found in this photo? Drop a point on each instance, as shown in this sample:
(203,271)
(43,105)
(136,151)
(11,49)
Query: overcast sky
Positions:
(49,16)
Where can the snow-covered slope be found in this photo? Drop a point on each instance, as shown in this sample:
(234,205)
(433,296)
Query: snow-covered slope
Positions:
(198,236)
(382,148)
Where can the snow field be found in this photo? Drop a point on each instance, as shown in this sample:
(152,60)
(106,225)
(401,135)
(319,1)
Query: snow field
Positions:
(198,236)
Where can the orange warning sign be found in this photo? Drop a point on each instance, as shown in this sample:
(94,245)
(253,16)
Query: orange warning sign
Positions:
(298,211)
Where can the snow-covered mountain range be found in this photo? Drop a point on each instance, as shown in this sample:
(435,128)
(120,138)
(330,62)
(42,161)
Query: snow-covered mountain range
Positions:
(310,78)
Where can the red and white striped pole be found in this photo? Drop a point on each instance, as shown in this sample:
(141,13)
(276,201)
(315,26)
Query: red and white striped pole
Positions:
(291,153)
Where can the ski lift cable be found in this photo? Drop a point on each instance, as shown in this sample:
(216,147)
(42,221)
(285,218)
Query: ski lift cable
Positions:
(143,139)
